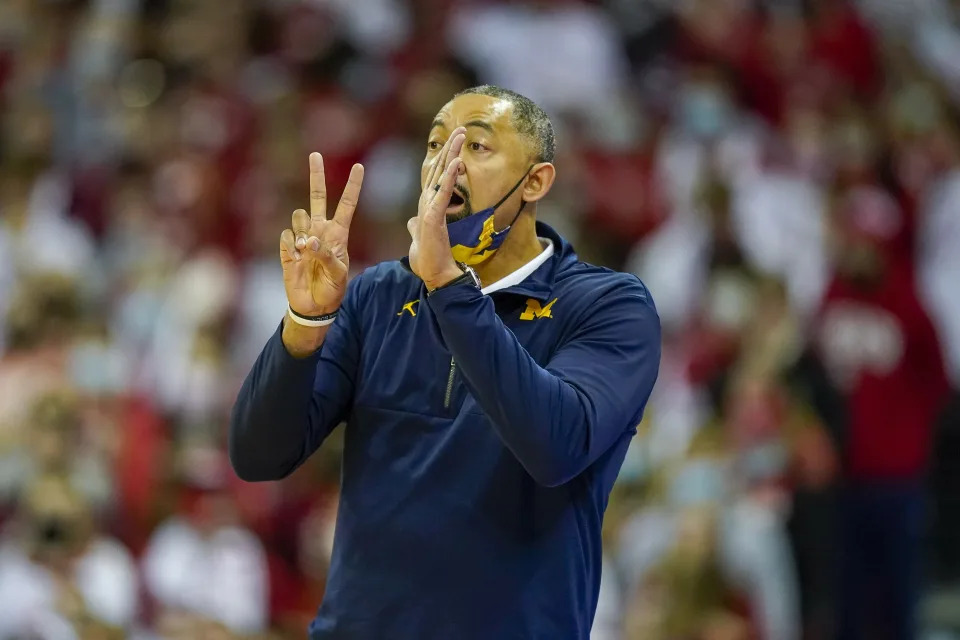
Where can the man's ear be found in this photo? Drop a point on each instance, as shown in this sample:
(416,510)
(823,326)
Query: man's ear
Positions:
(539,182)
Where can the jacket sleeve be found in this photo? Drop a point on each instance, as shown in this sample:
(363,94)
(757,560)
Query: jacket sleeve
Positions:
(287,406)
(559,419)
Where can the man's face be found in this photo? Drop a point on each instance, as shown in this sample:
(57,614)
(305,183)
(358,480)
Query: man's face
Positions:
(494,156)
(861,261)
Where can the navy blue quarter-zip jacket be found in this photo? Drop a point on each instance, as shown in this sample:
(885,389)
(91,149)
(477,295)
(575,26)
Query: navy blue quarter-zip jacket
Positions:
(483,436)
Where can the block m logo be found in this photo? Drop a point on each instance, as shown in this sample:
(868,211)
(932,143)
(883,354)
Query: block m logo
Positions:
(534,310)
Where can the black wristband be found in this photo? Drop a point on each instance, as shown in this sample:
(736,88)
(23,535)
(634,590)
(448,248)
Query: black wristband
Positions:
(312,321)
(465,277)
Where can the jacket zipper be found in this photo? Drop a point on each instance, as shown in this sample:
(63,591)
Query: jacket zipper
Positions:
(453,372)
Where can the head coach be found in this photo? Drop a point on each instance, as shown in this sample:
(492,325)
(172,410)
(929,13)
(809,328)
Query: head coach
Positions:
(490,384)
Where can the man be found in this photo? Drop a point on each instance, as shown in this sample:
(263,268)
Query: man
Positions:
(58,572)
(490,383)
(883,360)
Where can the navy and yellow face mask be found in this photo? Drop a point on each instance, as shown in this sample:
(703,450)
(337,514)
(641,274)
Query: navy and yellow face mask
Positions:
(473,239)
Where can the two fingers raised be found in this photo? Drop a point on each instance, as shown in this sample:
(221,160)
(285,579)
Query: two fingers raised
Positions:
(318,193)
(305,227)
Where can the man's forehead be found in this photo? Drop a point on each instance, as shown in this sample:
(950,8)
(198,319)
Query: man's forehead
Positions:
(475,108)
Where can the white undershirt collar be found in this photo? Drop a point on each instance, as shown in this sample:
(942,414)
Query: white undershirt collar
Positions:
(523,272)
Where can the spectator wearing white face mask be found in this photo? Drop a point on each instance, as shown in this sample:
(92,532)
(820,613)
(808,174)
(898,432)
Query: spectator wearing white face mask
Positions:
(205,563)
(56,570)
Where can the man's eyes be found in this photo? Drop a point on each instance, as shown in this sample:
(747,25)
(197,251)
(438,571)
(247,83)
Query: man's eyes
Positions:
(436,145)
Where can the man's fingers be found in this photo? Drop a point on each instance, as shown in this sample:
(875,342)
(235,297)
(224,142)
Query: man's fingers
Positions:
(445,154)
(439,205)
(435,169)
(413,227)
(325,255)
(455,141)
(440,163)
(301,227)
(456,145)
(313,249)
(318,188)
(351,195)
(288,244)
(436,174)
(312,245)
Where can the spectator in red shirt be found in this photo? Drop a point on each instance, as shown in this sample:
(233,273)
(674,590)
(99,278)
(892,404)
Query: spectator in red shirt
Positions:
(841,42)
(881,353)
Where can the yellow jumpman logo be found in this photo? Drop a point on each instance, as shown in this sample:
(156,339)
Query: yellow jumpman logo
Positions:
(408,307)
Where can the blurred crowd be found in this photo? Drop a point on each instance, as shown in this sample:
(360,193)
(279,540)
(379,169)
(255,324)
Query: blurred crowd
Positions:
(783,174)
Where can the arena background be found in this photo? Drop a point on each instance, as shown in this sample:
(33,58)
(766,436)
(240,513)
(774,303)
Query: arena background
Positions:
(731,153)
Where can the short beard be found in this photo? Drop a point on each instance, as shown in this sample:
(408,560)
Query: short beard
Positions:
(456,217)
(467,210)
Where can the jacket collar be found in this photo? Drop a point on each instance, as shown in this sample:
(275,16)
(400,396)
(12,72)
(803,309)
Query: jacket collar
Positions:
(540,283)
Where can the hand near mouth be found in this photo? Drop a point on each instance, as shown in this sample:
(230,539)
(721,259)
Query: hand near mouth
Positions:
(430,256)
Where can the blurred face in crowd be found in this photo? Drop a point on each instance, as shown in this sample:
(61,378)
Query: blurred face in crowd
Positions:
(696,536)
(805,131)
(926,144)
(55,423)
(705,107)
(861,261)
(860,258)
(753,409)
(868,221)
(495,156)
(50,446)
(57,522)
(207,509)
(854,148)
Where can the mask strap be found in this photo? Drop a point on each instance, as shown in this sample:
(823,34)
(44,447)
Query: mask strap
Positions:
(523,203)
(515,187)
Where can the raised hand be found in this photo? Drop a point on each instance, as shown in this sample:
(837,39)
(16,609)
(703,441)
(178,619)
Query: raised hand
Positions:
(430,256)
(313,251)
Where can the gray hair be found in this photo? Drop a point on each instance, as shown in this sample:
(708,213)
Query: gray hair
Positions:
(529,119)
